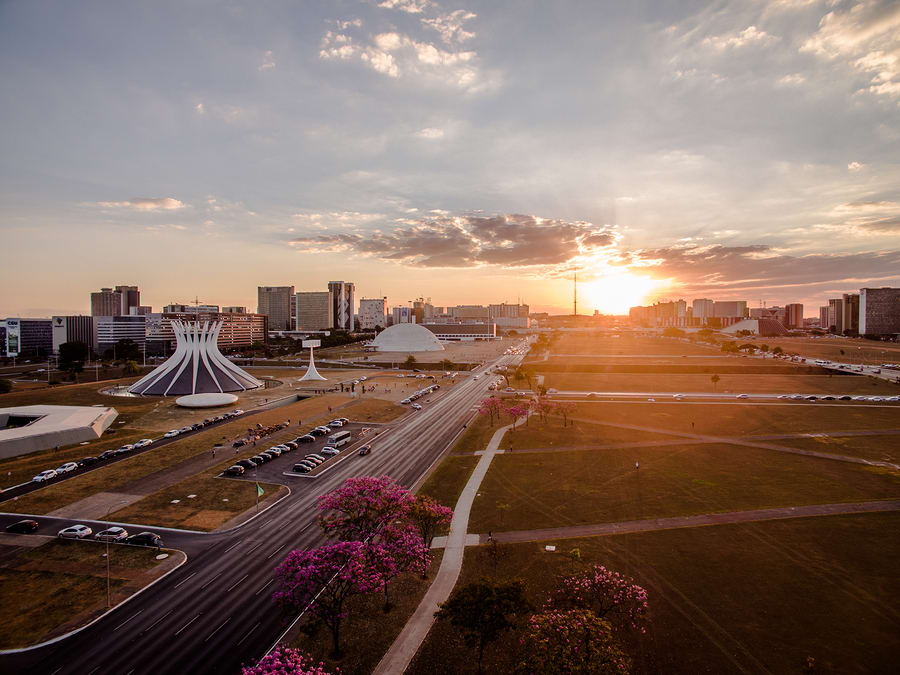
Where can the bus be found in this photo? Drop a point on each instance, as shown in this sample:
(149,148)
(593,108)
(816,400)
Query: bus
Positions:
(338,438)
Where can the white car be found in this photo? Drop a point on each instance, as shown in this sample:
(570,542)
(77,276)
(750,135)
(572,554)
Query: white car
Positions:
(44,475)
(876,399)
(171,434)
(363,378)
(237,412)
(652,400)
(143,443)
(75,532)
(329,451)
(416,406)
(742,396)
(125,448)
(112,534)
(66,468)
(184,430)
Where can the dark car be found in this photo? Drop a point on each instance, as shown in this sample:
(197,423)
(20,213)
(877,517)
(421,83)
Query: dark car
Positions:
(87,461)
(314,460)
(236,470)
(306,438)
(197,426)
(259,459)
(274,451)
(291,445)
(23,527)
(318,432)
(269,455)
(106,455)
(302,468)
(365,450)
(145,539)
(846,398)
(246,463)
(239,443)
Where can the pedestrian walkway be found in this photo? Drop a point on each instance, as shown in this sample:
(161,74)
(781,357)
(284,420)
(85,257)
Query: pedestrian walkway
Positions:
(407,643)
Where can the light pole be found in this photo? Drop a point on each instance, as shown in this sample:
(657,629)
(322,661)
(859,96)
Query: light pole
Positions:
(108,604)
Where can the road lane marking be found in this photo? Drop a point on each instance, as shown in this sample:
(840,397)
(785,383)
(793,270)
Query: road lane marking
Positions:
(157,621)
(233,545)
(275,551)
(210,581)
(247,634)
(237,582)
(217,629)
(254,548)
(187,624)
(126,621)
(185,579)
(264,587)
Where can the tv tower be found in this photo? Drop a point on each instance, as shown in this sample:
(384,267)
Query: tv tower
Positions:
(575,293)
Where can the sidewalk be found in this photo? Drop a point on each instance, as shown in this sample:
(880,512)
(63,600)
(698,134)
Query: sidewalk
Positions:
(407,643)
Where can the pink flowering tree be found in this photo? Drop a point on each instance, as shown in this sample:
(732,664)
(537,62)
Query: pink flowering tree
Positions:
(321,581)
(573,641)
(429,517)
(609,595)
(517,411)
(565,409)
(490,406)
(396,550)
(543,406)
(362,507)
(286,661)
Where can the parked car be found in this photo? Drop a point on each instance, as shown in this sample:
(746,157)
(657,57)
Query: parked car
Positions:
(314,460)
(196,426)
(23,527)
(43,476)
(307,463)
(302,468)
(335,424)
(87,461)
(171,434)
(345,420)
(366,449)
(184,430)
(290,445)
(112,534)
(246,463)
(236,470)
(108,454)
(274,451)
(313,455)
(75,532)
(143,443)
(330,451)
(844,398)
(260,459)
(66,468)
(320,431)
(306,438)
(124,449)
(145,539)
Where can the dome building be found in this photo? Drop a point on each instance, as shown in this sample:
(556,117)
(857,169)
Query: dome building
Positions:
(196,367)
(406,337)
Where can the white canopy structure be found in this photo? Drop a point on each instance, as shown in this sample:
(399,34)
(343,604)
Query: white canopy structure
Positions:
(196,367)
(311,372)
(406,337)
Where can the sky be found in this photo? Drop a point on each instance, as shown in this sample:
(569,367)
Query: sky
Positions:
(467,152)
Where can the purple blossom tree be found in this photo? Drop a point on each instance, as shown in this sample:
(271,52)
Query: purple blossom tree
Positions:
(573,641)
(286,661)
(396,550)
(609,595)
(362,507)
(565,408)
(429,517)
(491,406)
(517,411)
(321,581)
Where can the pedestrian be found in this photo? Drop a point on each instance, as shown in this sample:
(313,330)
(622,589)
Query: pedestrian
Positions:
(490,535)
(692,426)
(235,452)
(214,452)
(636,466)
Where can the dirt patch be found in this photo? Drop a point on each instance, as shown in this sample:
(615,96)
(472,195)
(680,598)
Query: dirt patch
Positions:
(207,519)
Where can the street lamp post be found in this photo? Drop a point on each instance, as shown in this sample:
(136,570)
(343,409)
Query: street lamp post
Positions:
(108,603)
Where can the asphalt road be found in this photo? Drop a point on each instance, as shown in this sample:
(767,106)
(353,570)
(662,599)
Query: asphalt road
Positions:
(215,612)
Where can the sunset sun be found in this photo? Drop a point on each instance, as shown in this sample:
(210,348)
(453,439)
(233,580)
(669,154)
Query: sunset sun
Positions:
(615,292)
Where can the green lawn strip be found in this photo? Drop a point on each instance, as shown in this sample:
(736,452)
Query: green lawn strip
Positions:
(558,489)
(597,344)
(368,632)
(756,597)
(740,419)
(373,410)
(86,553)
(551,433)
(729,383)
(121,473)
(447,481)
(881,448)
(217,500)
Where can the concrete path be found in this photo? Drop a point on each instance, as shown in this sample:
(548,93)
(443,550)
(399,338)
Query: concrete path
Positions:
(407,643)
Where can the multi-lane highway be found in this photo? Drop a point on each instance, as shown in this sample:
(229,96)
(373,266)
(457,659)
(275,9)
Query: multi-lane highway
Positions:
(215,612)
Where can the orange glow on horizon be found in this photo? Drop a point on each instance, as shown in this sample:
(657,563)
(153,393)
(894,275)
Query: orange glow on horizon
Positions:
(615,292)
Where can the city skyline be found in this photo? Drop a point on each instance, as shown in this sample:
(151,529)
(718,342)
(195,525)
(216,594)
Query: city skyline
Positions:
(467,152)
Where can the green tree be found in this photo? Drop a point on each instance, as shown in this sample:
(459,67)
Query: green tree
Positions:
(72,353)
(485,609)
(673,332)
(131,368)
(127,349)
(446,364)
(777,350)
(410,361)
(764,348)
(715,380)
(5,386)
(730,347)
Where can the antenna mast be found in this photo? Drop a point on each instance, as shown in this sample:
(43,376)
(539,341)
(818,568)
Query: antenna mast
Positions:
(575,293)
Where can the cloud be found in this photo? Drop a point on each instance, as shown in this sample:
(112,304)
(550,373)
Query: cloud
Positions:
(146,204)
(874,216)
(855,166)
(268,61)
(450,26)
(200,109)
(430,133)
(443,241)
(749,36)
(408,6)
(863,35)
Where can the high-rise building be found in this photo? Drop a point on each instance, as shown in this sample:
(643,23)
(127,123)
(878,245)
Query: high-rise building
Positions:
(131,298)
(879,311)
(730,309)
(72,329)
(824,322)
(106,302)
(275,302)
(509,316)
(234,309)
(108,330)
(850,304)
(28,337)
(314,310)
(372,313)
(343,304)
(403,315)
(701,310)
(793,315)
(835,315)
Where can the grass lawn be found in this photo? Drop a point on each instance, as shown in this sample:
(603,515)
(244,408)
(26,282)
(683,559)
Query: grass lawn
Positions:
(605,344)
(552,434)
(755,597)
(739,420)
(373,410)
(477,434)
(447,481)
(31,581)
(111,477)
(881,448)
(729,383)
(855,351)
(367,632)
(600,486)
